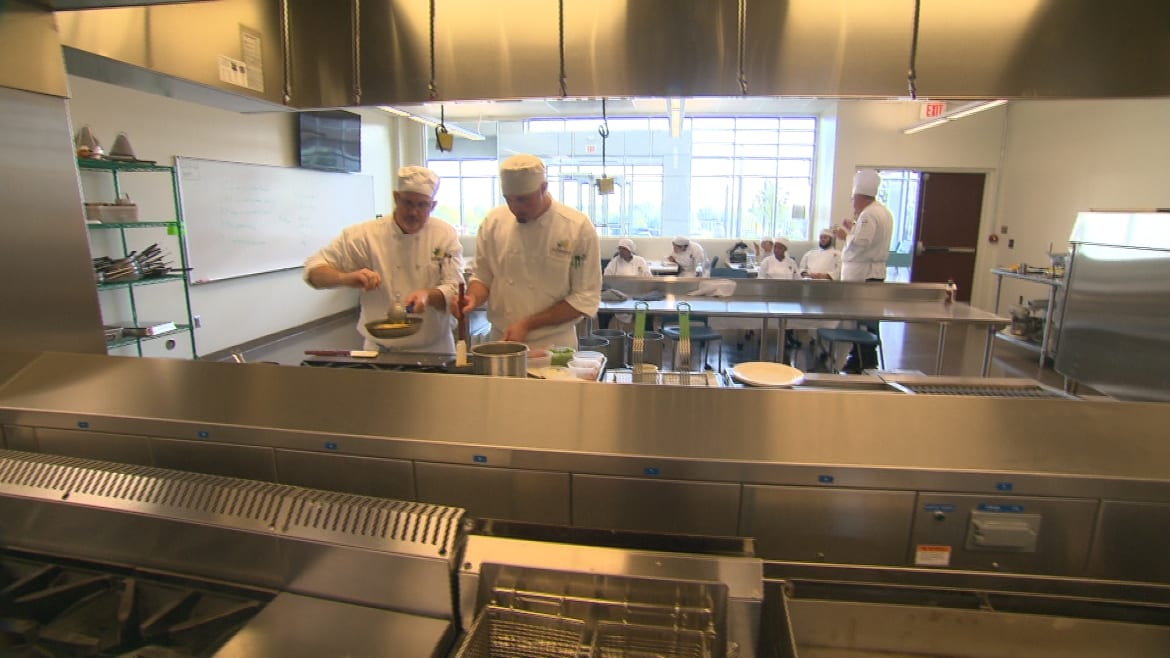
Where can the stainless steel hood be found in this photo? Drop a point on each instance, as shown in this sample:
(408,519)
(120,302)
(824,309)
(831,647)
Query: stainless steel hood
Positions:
(70,5)
(380,52)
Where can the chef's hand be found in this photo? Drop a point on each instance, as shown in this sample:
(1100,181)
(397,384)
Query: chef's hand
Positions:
(840,233)
(516,331)
(363,278)
(671,259)
(848,223)
(470,303)
(416,301)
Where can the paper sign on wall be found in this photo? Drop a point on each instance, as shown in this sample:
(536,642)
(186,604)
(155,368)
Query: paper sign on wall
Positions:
(929,555)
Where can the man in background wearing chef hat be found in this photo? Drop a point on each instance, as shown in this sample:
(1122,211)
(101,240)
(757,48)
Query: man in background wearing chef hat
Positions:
(824,262)
(537,262)
(411,259)
(867,246)
(627,262)
(688,254)
(779,265)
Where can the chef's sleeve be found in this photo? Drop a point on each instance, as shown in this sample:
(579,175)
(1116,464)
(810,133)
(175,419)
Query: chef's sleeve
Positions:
(346,253)
(585,273)
(863,230)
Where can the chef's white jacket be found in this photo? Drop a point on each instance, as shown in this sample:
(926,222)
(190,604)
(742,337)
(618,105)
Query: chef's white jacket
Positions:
(619,267)
(530,267)
(822,261)
(771,268)
(431,258)
(688,259)
(868,245)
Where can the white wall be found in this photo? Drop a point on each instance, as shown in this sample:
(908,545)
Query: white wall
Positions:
(1066,156)
(237,310)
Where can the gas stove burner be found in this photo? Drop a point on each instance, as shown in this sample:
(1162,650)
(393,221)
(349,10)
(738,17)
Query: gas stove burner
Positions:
(68,610)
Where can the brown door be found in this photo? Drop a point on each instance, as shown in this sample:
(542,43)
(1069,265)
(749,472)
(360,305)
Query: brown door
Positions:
(949,206)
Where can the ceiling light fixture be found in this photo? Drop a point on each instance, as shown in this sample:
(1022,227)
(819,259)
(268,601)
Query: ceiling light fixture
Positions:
(675,116)
(434,123)
(958,113)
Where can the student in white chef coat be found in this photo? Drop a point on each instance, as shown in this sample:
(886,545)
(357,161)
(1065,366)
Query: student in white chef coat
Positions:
(867,246)
(537,262)
(687,254)
(411,259)
(824,262)
(627,262)
(779,265)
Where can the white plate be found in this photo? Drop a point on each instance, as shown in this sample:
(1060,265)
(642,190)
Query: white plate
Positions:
(766,373)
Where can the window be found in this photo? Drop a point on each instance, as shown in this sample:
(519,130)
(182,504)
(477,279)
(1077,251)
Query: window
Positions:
(899,193)
(723,177)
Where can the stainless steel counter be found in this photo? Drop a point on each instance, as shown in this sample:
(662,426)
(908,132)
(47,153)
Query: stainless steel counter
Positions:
(843,476)
(814,300)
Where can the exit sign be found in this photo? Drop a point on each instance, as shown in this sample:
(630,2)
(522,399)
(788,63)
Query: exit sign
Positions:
(933,109)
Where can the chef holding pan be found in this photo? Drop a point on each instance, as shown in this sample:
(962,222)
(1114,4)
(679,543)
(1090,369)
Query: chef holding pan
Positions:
(411,259)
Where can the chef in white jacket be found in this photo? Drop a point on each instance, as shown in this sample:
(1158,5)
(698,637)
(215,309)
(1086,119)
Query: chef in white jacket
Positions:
(779,265)
(411,259)
(627,262)
(867,246)
(824,262)
(537,262)
(688,255)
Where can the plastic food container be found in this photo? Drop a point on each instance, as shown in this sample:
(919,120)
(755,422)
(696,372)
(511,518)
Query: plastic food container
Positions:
(587,355)
(539,358)
(584,369)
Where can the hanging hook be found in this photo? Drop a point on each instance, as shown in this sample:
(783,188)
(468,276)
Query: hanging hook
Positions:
(912,74)
(443,137)
(741,54)
(604,132)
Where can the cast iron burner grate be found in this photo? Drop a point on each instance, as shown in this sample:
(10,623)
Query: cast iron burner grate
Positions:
(78,610)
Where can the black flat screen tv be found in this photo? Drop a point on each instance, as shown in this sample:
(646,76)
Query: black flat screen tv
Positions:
(330,140)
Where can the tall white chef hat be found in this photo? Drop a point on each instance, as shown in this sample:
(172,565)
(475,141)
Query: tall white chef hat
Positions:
(628,244)
(781,240)
(866,182)
(521,174)
(681,240)
(417,179)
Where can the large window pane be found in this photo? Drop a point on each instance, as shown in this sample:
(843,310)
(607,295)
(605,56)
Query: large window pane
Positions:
(712,167)
(479,196)
(487,168)
(713,150)
(711,203)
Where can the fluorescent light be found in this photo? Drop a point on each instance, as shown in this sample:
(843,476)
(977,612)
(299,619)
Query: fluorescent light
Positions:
(974,109)
(964,111)
(923,126)
(675,115)
(434,123)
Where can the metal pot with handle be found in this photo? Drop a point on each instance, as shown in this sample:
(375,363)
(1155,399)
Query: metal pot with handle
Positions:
(500,358)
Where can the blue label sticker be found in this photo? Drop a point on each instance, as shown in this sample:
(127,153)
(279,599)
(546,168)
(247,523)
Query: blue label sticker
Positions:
(203,434)
(650,470)
(83,424)
(938,507)
(1003,486)
(825,479)
(479,459)
(991,507)
(330,445)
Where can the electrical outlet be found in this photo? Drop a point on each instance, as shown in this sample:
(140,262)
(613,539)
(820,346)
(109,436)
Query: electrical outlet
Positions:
(198,321)
(1003,229)
(1021,302)
(1011,244)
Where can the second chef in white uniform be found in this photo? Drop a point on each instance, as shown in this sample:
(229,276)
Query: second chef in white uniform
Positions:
(537,262)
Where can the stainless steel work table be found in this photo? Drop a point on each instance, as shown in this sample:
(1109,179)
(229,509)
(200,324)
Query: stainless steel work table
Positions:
(823,301)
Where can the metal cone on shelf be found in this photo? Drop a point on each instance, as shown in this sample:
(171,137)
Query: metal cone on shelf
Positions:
(87,145)
(121,150)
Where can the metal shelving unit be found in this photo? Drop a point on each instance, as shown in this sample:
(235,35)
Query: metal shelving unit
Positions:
(184,326)
(1053,285)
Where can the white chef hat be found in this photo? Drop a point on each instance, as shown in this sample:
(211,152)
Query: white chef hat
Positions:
(521,174)
(681,240)
(628,244)
(783,241)
(828,232)
(866,182)
(417,179)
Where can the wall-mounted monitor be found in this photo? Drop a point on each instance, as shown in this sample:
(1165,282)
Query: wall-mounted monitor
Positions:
(330,140)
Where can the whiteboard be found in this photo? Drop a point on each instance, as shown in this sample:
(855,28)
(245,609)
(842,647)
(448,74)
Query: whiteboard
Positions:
(246,219)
